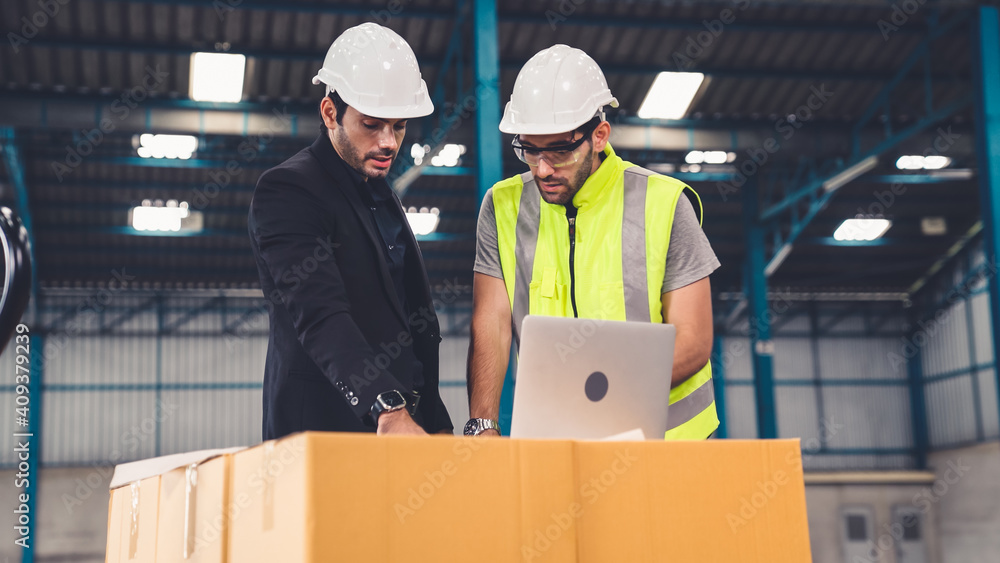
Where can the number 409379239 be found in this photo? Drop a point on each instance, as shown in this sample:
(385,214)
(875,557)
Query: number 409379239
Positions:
(22,372)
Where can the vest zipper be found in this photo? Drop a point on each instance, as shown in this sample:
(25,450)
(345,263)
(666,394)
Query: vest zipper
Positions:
(571,218)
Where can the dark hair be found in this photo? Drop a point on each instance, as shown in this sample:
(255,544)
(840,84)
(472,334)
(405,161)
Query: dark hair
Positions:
(589,127)
(340,105)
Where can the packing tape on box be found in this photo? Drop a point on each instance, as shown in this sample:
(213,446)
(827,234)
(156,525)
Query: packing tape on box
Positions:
(133,535)
(268,507)
(190,507)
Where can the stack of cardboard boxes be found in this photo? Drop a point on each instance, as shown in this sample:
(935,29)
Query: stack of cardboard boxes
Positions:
(319,497)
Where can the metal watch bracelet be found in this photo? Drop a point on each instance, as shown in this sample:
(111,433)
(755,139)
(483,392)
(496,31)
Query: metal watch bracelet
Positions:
(477,426)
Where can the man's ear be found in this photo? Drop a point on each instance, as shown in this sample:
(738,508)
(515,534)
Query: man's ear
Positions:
(601,135)
(328,112)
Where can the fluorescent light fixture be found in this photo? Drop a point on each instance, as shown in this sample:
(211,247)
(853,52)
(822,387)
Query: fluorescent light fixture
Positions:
(716,157)
(850,173)
(166,146)
(706,157)
(695,157)
(217,77)
(671,95)
(919,162)
(936,162)
(933,226)
(862,229)
(424,221)
(418,152)
(449,155)
(155,217)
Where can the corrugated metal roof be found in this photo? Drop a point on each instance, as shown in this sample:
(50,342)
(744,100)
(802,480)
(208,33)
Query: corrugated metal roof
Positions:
(762,66)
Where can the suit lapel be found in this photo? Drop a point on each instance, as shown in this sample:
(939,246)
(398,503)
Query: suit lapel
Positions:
(337,169)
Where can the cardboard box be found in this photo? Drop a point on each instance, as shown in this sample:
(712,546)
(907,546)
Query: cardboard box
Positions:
(194,513)
(170,509)
(132,520)
(346,497)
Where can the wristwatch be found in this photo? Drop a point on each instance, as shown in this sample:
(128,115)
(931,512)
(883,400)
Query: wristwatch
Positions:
(388,401)
(477,426)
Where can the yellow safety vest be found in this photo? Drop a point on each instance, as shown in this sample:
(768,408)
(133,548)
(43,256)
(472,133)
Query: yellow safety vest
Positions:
(623,224)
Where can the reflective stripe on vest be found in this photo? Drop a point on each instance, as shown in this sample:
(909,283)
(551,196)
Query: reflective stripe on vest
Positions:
(519,214)
(528,217)
(635,285)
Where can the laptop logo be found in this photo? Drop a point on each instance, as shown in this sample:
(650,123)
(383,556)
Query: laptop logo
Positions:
(596,386)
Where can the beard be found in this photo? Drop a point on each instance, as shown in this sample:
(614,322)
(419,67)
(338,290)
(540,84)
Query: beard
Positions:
(572,185)
(353,157)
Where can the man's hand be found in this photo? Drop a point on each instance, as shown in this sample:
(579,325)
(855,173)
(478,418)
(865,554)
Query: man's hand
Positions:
(489,433)
(398,422)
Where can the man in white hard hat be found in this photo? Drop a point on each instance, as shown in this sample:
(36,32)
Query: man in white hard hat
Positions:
(354,337)
(585,234)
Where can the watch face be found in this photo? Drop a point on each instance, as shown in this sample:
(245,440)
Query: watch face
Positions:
(392,399)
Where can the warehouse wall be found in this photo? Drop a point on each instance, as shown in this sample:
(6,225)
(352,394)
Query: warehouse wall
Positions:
(176,379)
(954,339)
(967,500)
(825,504)
(837,390)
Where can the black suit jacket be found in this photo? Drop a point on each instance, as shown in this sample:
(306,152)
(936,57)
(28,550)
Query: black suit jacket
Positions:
(338,335)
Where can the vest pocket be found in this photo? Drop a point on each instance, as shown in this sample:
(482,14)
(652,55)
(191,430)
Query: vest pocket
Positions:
(549,299)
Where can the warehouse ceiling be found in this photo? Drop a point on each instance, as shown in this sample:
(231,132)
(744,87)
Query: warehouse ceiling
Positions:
(822,63)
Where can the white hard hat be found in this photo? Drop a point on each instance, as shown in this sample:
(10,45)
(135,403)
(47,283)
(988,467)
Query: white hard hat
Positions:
(375,71)
(557,90)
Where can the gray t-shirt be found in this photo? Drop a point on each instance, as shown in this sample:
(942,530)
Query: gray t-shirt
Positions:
(689,258)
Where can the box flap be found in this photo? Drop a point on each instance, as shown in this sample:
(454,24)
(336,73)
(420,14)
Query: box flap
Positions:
(125,473)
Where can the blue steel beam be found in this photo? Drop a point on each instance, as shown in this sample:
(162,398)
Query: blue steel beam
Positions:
(761,345)
(987,33)
(918,402)
(816,190)
(488,140)
(719,382)
(15,175)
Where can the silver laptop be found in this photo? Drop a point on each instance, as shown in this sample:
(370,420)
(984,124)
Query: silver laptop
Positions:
(592,379)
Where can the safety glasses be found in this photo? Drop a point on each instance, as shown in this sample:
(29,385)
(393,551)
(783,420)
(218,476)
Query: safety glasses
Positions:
(556,156)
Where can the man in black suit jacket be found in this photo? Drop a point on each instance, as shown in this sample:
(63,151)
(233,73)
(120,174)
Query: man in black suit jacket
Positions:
(353,334)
